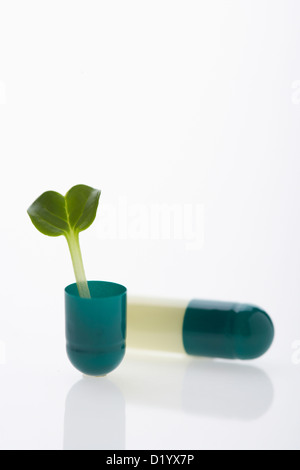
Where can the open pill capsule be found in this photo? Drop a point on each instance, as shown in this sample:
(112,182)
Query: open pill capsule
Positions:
(199,327)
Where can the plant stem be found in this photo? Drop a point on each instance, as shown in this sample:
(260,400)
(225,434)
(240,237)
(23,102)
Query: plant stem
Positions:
(74,247)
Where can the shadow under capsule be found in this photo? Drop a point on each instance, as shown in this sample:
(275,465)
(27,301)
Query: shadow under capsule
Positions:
(94,416)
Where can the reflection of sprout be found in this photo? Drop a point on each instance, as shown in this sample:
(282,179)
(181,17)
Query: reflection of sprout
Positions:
(54,215)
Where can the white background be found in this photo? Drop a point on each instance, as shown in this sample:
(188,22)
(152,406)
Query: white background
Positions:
(186,103)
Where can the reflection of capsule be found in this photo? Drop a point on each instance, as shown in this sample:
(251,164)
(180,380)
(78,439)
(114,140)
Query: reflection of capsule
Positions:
(204,387)
(94,416)
(226,390)
(200,328)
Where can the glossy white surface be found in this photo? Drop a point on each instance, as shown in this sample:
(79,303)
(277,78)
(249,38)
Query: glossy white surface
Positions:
(186,114)
(152,402)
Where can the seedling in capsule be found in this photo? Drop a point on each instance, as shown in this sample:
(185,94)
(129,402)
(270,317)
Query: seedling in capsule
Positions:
(54,215)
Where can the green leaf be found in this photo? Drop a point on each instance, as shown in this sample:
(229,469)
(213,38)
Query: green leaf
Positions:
(48,214)
(54,214)
(82,203)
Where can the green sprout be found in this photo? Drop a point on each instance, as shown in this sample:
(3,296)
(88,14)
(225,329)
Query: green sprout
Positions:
(55,215)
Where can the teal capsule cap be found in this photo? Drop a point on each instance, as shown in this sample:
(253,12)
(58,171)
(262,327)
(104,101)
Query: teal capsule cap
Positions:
(96,327)
(226,330)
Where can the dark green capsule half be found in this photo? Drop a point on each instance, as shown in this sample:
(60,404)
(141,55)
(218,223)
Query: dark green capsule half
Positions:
(226,330)
(96,327)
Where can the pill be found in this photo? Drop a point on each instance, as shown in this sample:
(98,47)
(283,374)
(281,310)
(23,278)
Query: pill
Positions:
(199,328)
